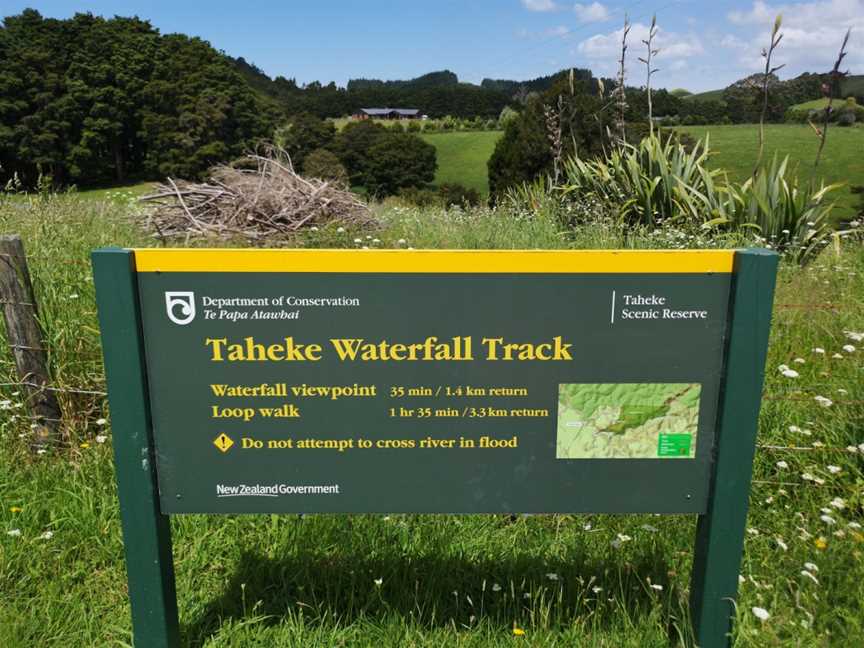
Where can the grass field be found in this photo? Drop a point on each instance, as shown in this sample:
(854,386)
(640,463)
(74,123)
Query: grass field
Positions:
(736,148)
(462,157)
(410,580)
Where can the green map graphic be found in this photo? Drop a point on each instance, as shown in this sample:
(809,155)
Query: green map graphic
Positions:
(627,420)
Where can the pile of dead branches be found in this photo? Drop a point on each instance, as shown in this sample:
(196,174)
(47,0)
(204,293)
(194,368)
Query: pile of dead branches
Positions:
(262,197)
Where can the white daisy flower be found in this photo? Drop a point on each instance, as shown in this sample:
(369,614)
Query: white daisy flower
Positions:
(761,613)
(786,371)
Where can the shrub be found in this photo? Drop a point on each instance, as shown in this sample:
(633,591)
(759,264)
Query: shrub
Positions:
(791,218)
(399,160)
(414,126)
(649,182)
(460,195)
(352,146)
(302,134)
(524,152)
(420,197)
(325,165)
(846,118)
(507,115)
(448,123)
(658,182)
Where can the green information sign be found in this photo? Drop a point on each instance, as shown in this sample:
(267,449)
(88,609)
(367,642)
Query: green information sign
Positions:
(280,381)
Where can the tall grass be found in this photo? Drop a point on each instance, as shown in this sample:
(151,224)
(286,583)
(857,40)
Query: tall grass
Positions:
(444,580)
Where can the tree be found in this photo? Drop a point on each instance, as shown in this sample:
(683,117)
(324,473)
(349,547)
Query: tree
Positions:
(397,161)
(352,146)
(303,134)
(89,100)
(324,164)
(524,151)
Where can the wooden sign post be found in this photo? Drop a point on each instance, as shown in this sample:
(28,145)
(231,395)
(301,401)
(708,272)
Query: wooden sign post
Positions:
(347,381)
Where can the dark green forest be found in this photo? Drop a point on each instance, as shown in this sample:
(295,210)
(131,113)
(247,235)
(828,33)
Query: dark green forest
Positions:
(437,94)
(90,100)
(93,100)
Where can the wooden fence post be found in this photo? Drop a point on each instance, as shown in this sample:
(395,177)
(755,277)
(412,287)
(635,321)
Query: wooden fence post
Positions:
(25,339)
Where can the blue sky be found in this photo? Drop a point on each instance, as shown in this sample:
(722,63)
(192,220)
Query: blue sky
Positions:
(704,44)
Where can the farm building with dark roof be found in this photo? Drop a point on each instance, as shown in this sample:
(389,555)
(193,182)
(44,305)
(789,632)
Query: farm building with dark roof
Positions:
(387,113)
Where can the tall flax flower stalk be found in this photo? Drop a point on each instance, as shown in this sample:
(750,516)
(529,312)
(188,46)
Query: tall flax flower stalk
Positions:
(767,54)
(555,136)
(620,93)
(828,91)
(649,43)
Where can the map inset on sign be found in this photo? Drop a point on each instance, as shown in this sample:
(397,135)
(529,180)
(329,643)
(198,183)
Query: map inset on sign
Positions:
(627,420)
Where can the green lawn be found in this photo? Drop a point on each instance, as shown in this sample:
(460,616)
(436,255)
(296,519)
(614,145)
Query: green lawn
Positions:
(736,147)
(121,192)
(462,157)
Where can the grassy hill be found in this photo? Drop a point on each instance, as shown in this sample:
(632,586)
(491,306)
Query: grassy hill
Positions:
(711,95)
(852,86)
(462,157)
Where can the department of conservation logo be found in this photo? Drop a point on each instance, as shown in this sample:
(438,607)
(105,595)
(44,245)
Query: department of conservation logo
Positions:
(180,306)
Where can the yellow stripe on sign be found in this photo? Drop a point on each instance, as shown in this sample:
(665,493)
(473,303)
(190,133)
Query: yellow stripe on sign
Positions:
(434,261)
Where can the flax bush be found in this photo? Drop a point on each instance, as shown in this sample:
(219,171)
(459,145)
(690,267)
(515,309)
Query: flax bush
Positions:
(794,219)
(656,182)
(649,182)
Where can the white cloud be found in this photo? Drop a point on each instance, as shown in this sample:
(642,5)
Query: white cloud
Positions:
(560,30)
(812,33)
(539,5)
(731,41)
(672,46)
(591,13)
